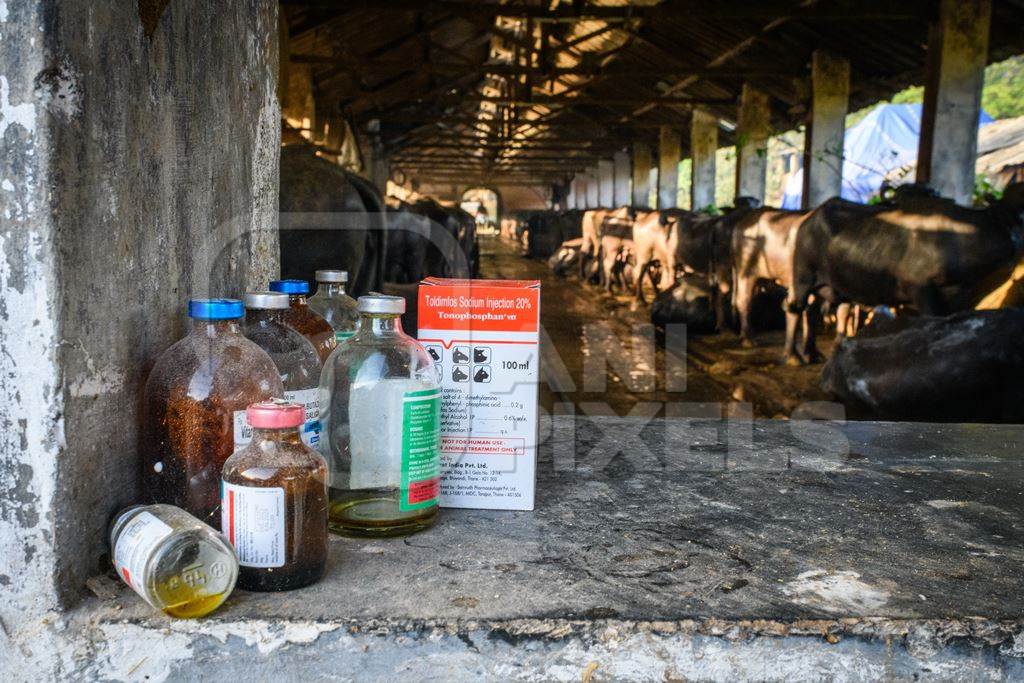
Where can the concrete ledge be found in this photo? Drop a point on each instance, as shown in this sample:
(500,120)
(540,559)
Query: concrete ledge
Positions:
(768,551)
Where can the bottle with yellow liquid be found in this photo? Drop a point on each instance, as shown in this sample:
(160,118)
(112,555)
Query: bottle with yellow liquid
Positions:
(380,411)
(172,560)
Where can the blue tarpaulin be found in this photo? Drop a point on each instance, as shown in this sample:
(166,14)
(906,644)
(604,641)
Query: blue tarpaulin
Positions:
(883,144)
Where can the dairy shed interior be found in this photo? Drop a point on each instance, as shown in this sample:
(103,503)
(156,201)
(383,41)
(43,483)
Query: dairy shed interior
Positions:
(793,434)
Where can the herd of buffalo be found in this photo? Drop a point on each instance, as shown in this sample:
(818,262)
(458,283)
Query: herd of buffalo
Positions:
(914,265)
(902,279)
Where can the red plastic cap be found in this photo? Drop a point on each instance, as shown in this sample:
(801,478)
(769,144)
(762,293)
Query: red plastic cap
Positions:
(275,415)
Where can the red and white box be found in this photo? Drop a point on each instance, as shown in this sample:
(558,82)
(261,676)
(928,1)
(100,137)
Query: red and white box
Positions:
(484,336)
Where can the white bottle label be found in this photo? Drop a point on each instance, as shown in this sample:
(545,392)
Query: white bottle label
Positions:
(252,519)
(310,400)
(241,429)
(135,545)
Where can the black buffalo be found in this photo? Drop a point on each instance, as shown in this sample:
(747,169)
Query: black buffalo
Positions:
(330,219)
(920,250)
(964,367)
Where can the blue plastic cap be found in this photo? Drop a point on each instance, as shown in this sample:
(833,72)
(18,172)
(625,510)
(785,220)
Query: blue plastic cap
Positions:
(215,309)
(289,286)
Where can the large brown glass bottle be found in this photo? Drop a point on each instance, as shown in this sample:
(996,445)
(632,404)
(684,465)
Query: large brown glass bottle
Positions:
(274,503)
(304,319)
(193,415)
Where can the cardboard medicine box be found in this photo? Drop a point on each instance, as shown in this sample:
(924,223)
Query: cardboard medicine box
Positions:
(484,338)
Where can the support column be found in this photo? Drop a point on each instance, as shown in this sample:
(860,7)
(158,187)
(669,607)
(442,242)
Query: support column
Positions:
(752,132)
(703,145)
(641,175)
(957,51)
(593,199)
(830,93)
(621,161)
(606,182)
(669,150)
(196,215)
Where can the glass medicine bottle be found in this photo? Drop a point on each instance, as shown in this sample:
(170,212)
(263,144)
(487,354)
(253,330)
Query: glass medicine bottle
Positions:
(193,415)
(172,560)
(295,357)
(331,301)
(274,506)
(305,320)
(380,411)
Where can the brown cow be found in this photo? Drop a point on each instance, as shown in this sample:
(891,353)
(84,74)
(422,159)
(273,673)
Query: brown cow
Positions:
(762,250)
(652,243)
(616,236)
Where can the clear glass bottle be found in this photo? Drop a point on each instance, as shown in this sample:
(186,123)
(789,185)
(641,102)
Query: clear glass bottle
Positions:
(380,412)
(274,505)
(172,560)
(193,414)
(305,320)
(331,301)
(295,357)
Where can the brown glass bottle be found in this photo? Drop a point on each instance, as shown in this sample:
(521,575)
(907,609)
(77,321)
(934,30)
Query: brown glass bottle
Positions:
(193,414)
(304,319)
(274,502)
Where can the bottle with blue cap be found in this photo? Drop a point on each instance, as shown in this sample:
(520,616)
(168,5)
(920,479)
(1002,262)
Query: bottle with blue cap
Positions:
(294,355)
(304,319)
(331,301)
(193,415)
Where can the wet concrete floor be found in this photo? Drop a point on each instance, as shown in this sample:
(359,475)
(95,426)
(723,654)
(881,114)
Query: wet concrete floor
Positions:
(583,327)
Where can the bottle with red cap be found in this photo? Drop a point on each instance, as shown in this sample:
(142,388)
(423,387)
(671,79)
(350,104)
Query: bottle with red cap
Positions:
(274,502)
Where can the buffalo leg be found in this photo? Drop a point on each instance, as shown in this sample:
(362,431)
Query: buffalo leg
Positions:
(638,285)
(810,317)
(842,319)
(742,298)
(789,353)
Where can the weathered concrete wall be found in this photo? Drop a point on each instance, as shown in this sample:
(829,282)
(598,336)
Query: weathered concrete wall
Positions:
(593,198)
(139,167)
(641,174)
(669,149)
(752,133)
(830,93)
(958,50)
(703,146)
(621,161)
(606,182)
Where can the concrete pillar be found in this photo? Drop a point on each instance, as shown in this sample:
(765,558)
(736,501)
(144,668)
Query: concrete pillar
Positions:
(752,131)
(958,50)
(830,92)
(130,183)
(621,161)
(593,198)
(703,145)
(606,182)
(669,151)
(641,174)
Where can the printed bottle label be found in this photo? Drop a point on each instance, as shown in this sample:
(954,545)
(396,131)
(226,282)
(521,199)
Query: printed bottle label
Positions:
(421,466)
(342,336)
(135,544)
(310,400)
(252,519)
(242,430)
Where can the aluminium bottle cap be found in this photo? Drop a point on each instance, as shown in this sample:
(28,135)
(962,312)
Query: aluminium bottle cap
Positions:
(289,286)
(275,414)
(215,309)
(274,301)
(332,276)
(381,303)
